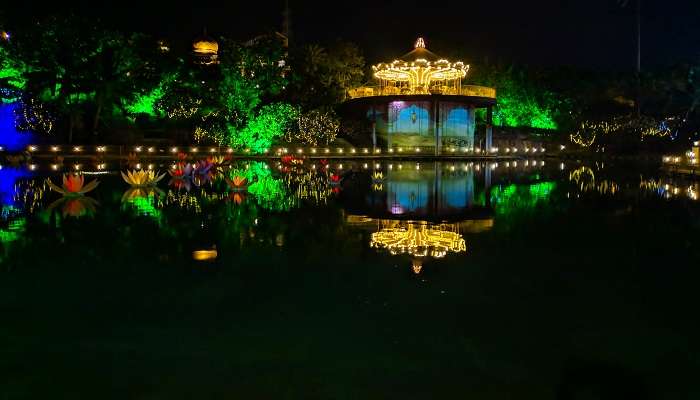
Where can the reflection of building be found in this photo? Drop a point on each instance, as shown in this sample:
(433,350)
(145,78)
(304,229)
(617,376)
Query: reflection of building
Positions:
(433,192)
(420,101)
(419,212)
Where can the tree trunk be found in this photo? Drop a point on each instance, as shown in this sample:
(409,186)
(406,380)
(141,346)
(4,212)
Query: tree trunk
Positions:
(70,128)
(96,121)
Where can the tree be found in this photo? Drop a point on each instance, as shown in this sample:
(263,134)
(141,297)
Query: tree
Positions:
(523,99)
(12,72)
(316,126)
(269,124)
(130,75)
(322,76)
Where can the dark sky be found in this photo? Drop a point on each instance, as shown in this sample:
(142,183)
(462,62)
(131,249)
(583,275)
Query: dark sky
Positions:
(590,33)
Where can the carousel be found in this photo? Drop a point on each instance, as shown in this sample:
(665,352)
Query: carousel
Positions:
(420,100)
(205,50)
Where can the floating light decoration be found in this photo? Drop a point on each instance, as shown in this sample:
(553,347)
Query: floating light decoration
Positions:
(73,185)
(142,178)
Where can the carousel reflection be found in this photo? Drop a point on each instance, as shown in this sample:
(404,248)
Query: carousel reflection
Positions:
(419,240)
(419,214)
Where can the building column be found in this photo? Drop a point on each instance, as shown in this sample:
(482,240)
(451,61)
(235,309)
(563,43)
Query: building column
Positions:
(489,128)
(374,127)
(470,126)
(438,133)
(487,185)
(437,189)
(389,125)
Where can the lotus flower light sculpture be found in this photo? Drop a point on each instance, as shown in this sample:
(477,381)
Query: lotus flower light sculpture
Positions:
(181,176)
(334,179)
(237,182)
(73,185)
(202,172)
(74,203)
(141,178)
(181,171)
(203,167)
(219,162)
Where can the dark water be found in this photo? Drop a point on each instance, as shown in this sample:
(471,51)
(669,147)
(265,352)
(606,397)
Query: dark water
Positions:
(430,280)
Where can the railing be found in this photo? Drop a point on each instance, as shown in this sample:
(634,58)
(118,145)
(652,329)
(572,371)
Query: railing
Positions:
(466,90)
(103,158)
(98,152)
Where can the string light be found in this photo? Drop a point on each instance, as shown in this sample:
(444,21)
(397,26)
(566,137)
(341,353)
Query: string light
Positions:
(418,239)
(33,116)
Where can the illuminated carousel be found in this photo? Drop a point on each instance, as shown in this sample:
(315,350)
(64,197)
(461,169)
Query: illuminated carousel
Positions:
(420,100)
(205,50)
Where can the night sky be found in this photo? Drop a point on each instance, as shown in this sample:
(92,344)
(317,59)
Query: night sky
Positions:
(591,33)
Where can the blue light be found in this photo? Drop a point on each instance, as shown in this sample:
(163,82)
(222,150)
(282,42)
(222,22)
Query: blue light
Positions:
(8,179)
(10,138)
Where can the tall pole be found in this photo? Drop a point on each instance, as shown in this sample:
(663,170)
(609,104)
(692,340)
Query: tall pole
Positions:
(638,107)
(287,21)
(489,128)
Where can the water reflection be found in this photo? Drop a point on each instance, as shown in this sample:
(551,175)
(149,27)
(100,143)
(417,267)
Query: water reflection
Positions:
(585,180)
(419,211)
(77,207)
(144,201)
(432,192)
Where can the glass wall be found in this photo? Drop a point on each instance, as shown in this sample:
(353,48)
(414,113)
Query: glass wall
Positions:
(410,124)
(457,125)
(405,123)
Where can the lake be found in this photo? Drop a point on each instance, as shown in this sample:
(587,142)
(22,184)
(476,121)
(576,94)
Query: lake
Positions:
(340,279)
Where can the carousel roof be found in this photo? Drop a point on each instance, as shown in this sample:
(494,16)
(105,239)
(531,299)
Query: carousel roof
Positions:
(419,53)
(205,45)
(419,67)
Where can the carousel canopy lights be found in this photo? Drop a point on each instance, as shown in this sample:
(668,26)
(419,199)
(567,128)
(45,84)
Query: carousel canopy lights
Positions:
(421,71)
(205,47)
(206,50)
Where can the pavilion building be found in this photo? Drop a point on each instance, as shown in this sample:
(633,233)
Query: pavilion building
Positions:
(419,100)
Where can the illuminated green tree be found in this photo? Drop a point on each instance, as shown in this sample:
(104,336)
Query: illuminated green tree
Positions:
(131,72)
(262,130)
(261,62)
(238,95)
(523,100)
(12,72)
